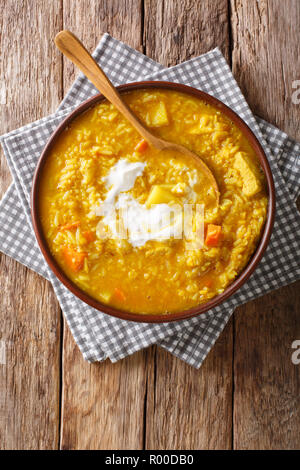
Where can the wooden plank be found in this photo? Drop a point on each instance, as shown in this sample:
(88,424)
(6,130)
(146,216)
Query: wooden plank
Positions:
(179,30)
(89,20)
(266,383)
(103,404)
(191,409)
(29,313)
(188,408)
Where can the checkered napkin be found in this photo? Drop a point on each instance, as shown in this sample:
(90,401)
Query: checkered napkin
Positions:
(98,335)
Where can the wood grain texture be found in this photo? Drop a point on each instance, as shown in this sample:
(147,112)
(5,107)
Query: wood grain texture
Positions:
(266,59)
(29,312)
(266,383)
(103,404)
(188,408)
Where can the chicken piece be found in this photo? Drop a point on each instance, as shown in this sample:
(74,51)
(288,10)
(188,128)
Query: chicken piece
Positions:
(251,184)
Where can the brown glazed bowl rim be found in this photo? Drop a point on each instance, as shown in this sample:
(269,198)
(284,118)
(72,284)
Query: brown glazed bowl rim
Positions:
(168,317)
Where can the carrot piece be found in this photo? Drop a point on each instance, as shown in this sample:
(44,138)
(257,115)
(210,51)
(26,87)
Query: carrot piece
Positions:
(208,282)
(89,236)
(141,146)
(70,226)
(120,294)
(213,235)
(73,258)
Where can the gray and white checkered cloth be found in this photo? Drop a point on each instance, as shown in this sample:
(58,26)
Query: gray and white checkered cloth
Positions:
(98,335)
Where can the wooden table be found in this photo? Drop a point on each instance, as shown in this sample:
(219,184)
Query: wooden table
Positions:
(246,394)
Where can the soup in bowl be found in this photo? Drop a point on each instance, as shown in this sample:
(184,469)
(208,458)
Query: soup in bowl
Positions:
(140,233)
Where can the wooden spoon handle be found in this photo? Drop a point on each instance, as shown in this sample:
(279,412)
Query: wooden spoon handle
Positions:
(72,48)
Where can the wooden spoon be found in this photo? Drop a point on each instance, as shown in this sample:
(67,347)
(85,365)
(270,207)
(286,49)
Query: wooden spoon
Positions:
(72,48)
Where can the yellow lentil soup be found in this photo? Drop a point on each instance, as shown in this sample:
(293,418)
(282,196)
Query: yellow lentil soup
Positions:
(99,165)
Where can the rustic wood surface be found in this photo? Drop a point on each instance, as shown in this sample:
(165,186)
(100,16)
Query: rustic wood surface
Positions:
(246,394)
(29,312)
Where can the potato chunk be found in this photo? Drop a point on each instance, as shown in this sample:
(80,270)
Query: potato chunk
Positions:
(159,195)
(158,116)
(251,185)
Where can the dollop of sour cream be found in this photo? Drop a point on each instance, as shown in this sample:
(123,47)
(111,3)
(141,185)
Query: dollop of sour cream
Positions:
(122,178)
(142,224)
